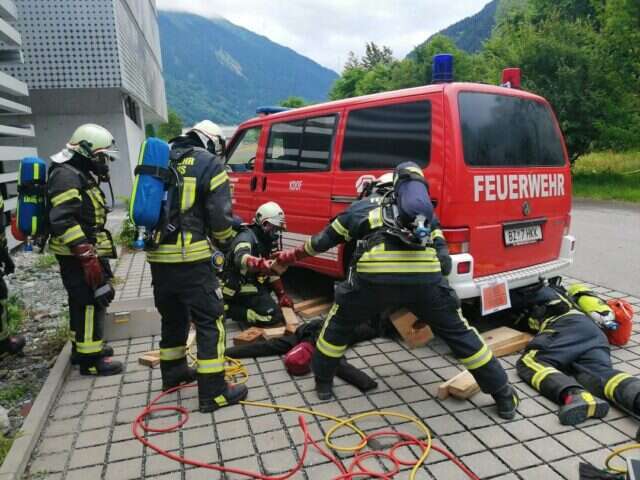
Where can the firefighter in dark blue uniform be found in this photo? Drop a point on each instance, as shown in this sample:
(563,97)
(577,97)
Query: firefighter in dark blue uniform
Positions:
(398,263)
(247,285)
(569,360)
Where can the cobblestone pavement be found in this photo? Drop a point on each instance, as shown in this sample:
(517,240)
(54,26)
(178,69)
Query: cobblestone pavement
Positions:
(88,435)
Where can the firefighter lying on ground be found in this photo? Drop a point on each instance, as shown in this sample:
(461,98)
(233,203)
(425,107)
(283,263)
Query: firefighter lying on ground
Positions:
(82,244)
(298,349)
(185,287)
(247,285)
(569,360)
(401,260)
(9,344)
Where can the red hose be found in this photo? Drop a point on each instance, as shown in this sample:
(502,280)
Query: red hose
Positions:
(355,469)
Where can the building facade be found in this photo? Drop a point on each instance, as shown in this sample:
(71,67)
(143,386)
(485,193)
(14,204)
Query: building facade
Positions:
(92,61)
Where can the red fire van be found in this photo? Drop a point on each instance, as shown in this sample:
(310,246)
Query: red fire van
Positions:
(494,158)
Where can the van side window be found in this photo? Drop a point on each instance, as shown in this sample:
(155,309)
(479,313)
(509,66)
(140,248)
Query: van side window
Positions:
(301,145)
(379,138)
(241,156)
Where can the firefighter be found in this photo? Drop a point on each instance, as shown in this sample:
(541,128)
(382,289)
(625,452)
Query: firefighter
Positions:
(247,291)
(9,345)
(185,287)
(82,244)
(569,360)
(401,260)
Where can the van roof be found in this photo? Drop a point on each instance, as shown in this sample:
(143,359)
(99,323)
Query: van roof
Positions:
(449,88)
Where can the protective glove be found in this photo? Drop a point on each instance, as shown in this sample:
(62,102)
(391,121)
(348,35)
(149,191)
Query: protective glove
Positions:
(8,267)
(291,256)
(258,264)
(90,263)
(104,295)
(445,263)
(283,298)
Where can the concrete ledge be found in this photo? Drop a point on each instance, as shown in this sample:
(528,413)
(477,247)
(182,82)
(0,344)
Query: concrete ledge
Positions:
(16,461)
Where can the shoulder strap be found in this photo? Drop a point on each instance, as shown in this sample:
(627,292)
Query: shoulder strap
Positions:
(83,177)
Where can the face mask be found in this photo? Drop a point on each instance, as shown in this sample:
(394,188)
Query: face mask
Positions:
(100,167)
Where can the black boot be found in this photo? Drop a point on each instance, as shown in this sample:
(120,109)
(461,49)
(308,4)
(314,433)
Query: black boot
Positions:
(507,402)
(12,345)
(99,366)
(175,373)
(324,389)
(579,406)
(107,351)
(214,392)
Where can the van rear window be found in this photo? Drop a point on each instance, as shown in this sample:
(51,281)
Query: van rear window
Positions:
(506,131)
(379,138)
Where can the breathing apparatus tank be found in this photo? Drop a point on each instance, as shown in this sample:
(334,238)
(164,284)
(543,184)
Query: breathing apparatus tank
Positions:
(31,210)
(593,306)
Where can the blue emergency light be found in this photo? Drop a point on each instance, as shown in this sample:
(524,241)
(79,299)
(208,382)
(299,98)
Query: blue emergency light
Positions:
(270,110)
(442,70)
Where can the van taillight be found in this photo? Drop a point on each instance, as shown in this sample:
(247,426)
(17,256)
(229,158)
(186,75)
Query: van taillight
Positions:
(457,239)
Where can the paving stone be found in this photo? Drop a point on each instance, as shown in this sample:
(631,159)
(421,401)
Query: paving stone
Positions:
(127,470)
(61,427)
(474,419)
(280,461)
(524,430)
(577,441)
(50,463)
(203,453)
(494,436)
(550,424)
(202,474)
(68,411)
(55,444)
(156,464)
(516,456)
(73,397)
(543,471)
(102,406)
(84,457)
(384,400)
(462,443)
(548,449)
(121,432)
(447,470)
(250,464)
(125,450)
(91,422)
(92,438)
(485,464)
(444,425)
(269,441)
(198,436)
(240,447)
(605,434)
(265,423)
(84,473)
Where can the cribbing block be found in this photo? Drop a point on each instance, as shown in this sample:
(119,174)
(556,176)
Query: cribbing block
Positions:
(275,332)
(290,319)
(312,302)
(253,334)
(150,359)
(403,320)
(316,310)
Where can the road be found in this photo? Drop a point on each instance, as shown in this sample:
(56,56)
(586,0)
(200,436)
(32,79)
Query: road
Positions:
(608,244)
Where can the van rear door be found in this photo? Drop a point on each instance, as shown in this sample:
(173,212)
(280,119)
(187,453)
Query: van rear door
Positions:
(511,188)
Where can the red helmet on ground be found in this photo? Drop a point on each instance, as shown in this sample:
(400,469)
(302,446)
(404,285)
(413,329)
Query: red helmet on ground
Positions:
(624,317)
(297,361)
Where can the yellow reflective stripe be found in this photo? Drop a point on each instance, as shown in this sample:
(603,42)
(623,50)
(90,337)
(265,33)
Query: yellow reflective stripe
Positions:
(329,349)
(228,291)
(540,376)
(173,353)
(71,234)
(242,245)
(1,203)
(340,230)
(534,324)
(308,247)
(220,400)
(402,255)
(218,180)
(392,267)
(213,365)
(591,403)
(542,371)
(255,317)
(222,234)
(437,233)
(222,337)
(95,195)
(87,348)
(172,253)
(478,359)
(612,384)
(71,194)
(188,193)
(248,288)
(375,218)
(89,345)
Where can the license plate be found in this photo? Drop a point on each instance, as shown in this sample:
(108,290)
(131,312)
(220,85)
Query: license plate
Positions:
(522,235)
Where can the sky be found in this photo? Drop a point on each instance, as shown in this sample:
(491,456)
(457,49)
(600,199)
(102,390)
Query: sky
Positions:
(327,30)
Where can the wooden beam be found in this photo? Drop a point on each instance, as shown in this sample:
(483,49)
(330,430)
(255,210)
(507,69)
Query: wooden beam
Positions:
(251,335)
(315,311)
(290,319)
(312,302)
(150,359)
(275,332)
(403,321)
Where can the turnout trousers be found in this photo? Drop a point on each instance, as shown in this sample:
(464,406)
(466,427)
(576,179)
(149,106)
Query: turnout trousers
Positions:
(86,319)
(574,353)
(184,293)
(254,310)
(4,312)
(436,304)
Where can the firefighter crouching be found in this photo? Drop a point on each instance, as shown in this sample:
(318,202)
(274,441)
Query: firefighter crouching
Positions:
(398,262)
(82,245)
(9,345)
(569,360)
(248,279)
(185,287)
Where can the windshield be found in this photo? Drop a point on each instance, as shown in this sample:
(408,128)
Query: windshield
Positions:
(502,131)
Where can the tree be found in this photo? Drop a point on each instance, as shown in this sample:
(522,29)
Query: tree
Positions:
(172,128)
(375,55)
(294,102)
(149,130)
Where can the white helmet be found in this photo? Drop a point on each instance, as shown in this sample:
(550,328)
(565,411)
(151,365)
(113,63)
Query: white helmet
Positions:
(208,131)
(270,212)
(384,180)
(89,140)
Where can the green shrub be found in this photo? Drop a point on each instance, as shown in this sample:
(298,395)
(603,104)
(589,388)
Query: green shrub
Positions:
(16,313)
(127,234)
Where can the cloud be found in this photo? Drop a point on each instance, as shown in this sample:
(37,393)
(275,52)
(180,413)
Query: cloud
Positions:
(326,31)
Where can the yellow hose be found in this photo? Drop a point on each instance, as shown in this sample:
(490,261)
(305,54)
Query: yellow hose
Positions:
(617,453)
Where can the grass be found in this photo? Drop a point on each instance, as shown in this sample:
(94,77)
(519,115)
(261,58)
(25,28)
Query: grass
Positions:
(11,394)
(17,313)
(608,176)
(45,260)
(127,234)
(5,446)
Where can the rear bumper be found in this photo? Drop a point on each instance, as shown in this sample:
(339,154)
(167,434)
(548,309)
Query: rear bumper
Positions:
(468,287)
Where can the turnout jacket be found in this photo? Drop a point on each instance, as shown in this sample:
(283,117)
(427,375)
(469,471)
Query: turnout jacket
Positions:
(200,207)
(379,256)
(77,211)
(237,280)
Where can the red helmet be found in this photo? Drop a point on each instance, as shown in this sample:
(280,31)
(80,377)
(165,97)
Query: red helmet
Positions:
(297,361)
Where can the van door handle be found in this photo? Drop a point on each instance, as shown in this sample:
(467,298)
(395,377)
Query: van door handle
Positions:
(264,183)
(254,183)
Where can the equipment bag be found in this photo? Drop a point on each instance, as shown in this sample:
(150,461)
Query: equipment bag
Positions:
(624,317)
(150,184)
(31,210)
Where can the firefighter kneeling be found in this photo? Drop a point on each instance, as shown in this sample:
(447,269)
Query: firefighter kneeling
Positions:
(185,287)
(569,359)
(401,260)
(248,278)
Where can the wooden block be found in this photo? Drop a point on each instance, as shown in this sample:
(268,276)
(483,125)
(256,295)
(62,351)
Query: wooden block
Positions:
(150,359)
(276,332)
(512,347)
(250,335)
(312,302)
(403,320)
(291,319)
(191,338)
(315,311)
(499,337)
(464,386)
